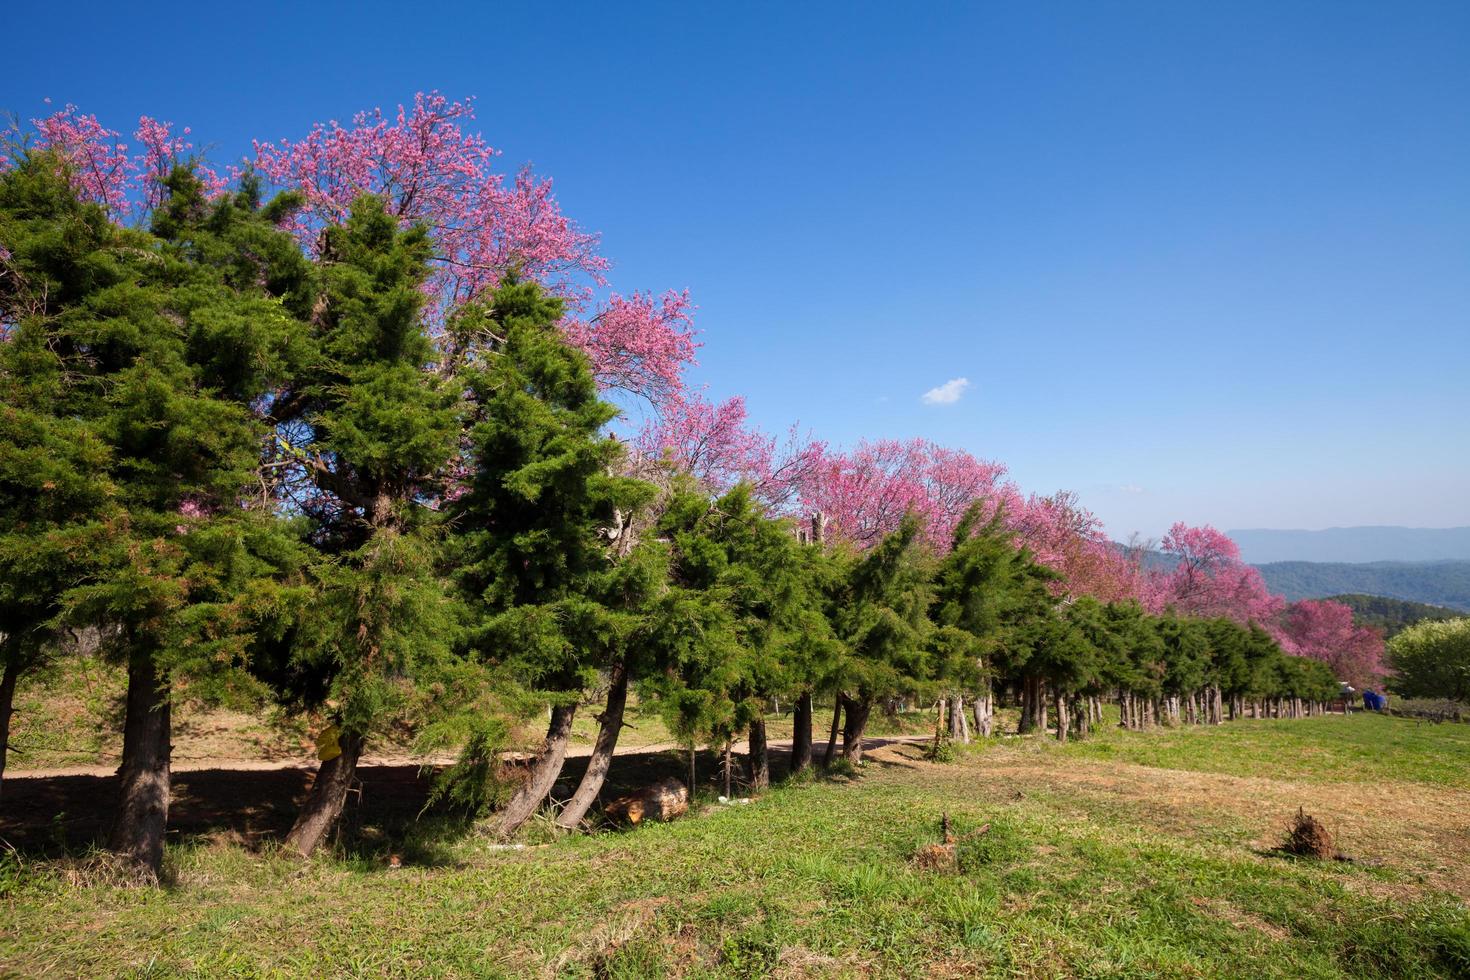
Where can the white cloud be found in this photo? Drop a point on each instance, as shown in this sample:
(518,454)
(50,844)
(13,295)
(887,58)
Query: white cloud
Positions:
(947,393)
(1131,488)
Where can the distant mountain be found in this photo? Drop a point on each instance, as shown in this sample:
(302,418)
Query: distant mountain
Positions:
(1392,615)
(1354,544)
(1438,583)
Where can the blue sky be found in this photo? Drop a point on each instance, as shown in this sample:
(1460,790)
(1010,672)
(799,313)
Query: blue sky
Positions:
(1208,263)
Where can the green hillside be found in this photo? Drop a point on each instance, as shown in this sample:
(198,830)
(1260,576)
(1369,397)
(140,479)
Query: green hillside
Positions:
(1437,583)
(1392,615)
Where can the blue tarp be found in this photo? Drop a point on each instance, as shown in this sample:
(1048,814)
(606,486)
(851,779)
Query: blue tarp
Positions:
(1374,701)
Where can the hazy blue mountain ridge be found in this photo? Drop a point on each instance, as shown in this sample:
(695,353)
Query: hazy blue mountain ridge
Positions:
(1260,546)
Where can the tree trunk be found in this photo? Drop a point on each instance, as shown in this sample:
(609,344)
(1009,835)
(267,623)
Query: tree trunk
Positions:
(544,770)
(7,705)
(801,733)
(609,728)
(1029,696)
(143,778)
(957,729)
(852,731)
(836,723)
(984,708)
(1062,716)
(1084,717)
(328,797)
(757,760)
(1218,707)
(729,768)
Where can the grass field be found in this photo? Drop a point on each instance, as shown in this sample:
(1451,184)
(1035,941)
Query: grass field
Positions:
(1134,854)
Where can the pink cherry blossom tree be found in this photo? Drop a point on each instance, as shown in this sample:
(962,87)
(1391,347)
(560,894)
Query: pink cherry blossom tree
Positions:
(1324,630)
(1066,536)
(866,491)
(100,166)
(428,168)
(716,443)
(1210,579)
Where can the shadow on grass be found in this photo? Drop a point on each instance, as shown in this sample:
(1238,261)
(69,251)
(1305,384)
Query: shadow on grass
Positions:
(61,816)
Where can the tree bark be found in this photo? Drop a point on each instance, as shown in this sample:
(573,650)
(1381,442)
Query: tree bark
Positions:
(836,723)
(544,770)
(1062,719)
(1029,697)
(143,778)
(856,722)
(609,728)
(7,706)
(328,796)
(957,729)
(984,710)
(801,733)
(757,759)
(729,768)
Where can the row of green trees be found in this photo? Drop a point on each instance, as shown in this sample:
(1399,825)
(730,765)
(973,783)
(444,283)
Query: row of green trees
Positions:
(251,471)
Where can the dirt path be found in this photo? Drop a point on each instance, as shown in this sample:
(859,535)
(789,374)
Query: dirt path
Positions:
(407,759)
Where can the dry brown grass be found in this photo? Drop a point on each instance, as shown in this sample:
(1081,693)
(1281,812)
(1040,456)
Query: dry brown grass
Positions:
(1418,828)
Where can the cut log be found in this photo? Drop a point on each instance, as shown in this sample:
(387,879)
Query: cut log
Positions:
(664,800)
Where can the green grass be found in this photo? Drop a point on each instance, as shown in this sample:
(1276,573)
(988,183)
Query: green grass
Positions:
(1359,748)
(1074,877)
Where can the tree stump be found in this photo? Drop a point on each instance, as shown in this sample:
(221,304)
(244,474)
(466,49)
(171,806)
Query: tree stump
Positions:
(664,800)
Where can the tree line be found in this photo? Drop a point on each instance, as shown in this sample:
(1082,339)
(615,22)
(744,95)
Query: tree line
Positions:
(308,450)
(251,468)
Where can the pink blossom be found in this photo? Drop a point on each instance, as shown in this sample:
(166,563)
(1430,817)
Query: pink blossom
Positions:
(715,444)
(102,171)
(1210,579)
(639,345)
(1069,538)
(1324,630)
(428,168)
(865,492)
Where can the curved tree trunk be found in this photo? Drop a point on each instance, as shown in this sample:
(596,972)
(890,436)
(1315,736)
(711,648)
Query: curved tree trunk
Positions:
(7,705)
(328,797)
(143,778)
(801,733)
(544,770)
(611,725)
(836,723)
(852,731)
(758,760)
